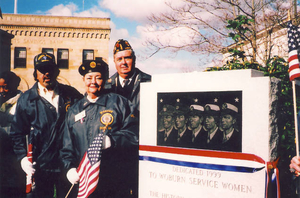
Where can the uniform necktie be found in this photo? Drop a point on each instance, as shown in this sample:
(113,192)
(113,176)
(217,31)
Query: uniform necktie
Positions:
(165,137)
(125,82)
(208,139)
(178,138)
(193,138)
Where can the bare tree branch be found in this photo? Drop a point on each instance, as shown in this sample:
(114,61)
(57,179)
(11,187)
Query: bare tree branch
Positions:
(199,26)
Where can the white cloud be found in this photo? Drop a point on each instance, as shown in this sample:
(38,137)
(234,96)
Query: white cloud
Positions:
(175,37)
(162,65)
(159,63)
(137,10)
(63,10)
(117,33)
(71,9)
(93,12)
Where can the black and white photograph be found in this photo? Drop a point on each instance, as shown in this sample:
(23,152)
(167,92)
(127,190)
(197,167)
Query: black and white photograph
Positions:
(200,120)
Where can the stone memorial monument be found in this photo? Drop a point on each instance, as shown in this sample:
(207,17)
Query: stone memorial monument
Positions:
(209,134)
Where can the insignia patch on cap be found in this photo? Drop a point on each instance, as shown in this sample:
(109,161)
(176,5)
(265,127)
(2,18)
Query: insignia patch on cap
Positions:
(211,107)
(224,106)
(44,57)
(122,45)
(228,106)
(92,64)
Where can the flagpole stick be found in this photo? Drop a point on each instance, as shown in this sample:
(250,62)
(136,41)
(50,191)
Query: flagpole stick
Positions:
(69,191)
(295,118)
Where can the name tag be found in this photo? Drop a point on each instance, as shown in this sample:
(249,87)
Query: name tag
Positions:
(80,116)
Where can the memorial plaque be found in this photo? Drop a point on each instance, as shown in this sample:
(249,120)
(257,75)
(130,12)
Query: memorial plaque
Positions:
(219,106)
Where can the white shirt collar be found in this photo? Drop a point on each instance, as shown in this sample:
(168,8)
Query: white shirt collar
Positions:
(180,134)
(197,132)
(226,137)
(211,135)
(167,133)
(122,81)
(92,100)
(50,95)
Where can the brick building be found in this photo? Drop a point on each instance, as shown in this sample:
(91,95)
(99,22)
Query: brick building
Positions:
(71,39)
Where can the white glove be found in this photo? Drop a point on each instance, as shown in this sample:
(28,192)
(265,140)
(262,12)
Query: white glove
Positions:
(106,142)
(73,176)
(27,166)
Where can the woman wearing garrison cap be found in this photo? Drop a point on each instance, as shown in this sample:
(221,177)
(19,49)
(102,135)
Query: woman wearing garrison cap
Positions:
(199,135)
(108,117)
(232,138)
(211,121)
(168,135)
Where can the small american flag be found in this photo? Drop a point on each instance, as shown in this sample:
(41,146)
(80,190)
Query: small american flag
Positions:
(29,177)
(294,44)
(89,168)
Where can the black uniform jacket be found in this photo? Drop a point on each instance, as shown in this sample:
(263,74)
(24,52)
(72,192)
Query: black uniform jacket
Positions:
(83,123)
(113,85)
(186,139)
(216,141)
(234,143)
(171,140)
(200,141)
(38,119)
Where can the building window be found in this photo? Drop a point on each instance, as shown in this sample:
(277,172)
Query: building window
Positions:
(20,57)
(48,50)
(63,58)
(87,55)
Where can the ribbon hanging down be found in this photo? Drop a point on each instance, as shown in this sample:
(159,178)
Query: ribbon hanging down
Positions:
(212,160)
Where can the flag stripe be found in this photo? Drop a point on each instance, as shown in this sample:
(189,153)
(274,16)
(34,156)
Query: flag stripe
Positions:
(293,57)
(88,177)
(293,43)
(29,177)
(89,168)
(91,186)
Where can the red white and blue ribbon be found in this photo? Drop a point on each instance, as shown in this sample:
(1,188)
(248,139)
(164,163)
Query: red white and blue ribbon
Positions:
(272,173)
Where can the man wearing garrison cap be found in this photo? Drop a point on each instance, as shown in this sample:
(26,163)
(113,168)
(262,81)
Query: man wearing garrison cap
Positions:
(126,81)
(231,137)
(39,115)
(211,121)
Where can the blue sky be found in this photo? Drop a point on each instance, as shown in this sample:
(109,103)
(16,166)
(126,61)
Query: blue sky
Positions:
(128,21)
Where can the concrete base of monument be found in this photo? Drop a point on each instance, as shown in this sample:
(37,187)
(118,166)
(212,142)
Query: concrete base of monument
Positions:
(176,171)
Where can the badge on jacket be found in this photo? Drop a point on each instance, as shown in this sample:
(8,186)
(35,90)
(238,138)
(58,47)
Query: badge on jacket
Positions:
(106,119)
(80,116)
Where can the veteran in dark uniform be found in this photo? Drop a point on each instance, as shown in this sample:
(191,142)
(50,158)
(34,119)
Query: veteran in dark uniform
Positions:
(111,114)
(199,135)
(184,135)
(39,115)
(211,124)
(232,138)
(128,78)
(168,135)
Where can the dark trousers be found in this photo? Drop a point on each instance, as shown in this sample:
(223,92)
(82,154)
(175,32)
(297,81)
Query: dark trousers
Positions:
(46,182)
